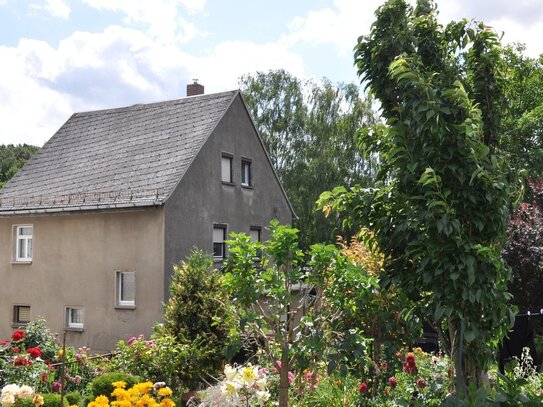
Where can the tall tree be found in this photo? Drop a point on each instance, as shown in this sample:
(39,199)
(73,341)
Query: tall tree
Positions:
(440,212)
(12,158)
(310,131)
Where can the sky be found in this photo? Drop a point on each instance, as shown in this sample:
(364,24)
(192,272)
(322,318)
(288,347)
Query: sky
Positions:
(58,57)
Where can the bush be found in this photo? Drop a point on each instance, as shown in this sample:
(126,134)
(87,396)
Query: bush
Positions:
(38,335)
(103,385)
(74,398)
(198,314)
(52,400)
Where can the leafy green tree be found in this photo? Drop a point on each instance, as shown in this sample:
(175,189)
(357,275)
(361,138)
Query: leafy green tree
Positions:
(522,135)
(309,129)
(198,312)
(12,158)
(440,208)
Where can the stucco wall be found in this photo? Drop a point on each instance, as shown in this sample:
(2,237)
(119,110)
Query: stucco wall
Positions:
(201,199)
(74,263)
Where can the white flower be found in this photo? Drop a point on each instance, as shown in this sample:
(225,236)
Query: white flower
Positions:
(249,374)
(10,389)
(230,389)
(262,396)
(262,383)
(230,372)
(8,399)
(24,392)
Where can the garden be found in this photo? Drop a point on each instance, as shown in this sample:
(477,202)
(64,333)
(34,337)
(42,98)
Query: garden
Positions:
(441,239)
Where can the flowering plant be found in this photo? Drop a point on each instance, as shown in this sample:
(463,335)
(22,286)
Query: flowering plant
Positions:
(141,394)
(12,392)
(245,385)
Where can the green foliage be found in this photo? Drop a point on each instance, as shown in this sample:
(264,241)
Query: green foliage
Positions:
(309,129)
(39,335)
(53,400)
(162,359)
(440,209)
(103,385)
(74,398)
(198,312)
(13,157)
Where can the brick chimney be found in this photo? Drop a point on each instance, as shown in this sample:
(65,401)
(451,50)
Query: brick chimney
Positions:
(195,88)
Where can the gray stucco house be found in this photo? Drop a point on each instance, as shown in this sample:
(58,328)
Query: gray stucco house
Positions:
(91,225)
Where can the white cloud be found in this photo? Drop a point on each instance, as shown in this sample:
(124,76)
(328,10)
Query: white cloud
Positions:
(57,8)
(120,66)
(162,18)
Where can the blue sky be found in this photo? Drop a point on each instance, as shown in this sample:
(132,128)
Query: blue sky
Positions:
(63,56)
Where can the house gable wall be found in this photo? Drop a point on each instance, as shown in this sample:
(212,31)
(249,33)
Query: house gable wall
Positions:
(202,200)
(75,259)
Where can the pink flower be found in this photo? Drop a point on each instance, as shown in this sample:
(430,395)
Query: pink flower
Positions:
(56,387)
(4,343)
(363,387)
(131,340)
(290,377)
(392,381)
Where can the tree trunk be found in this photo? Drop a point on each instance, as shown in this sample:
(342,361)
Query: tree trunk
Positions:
(283,378)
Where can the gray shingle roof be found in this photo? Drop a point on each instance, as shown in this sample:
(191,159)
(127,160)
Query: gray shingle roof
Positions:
(130,156)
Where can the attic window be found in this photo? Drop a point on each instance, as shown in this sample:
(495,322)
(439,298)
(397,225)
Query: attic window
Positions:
(246,173)
(226,168)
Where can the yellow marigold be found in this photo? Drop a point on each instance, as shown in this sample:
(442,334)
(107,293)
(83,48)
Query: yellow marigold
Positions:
(145,401)
(121,394)
(143,388)
(121,403)
(165,392)
(167,403)
(120,384)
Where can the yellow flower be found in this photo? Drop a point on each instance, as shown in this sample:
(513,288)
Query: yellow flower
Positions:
(121,394)
(165,392)
(249,374)
(167,403)
(121,384)
(101,401)
(38,400)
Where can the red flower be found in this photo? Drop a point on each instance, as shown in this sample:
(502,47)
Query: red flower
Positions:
(421,383)
(410,359)
(22,361)
(15,349)
(18,335)
(384,365)
(387,392)
(34,352)
(44,377)
(4,343)
(392,381)
(363,388)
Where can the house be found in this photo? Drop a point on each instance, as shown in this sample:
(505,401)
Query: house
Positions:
(91,225)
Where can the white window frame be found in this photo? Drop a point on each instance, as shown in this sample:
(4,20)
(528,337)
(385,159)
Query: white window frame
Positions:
(119,289)
(28,243)
(70,324)
(227,173)
(246,172)
(222,228)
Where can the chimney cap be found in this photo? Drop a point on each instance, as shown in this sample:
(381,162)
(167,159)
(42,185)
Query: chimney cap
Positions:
(195,81)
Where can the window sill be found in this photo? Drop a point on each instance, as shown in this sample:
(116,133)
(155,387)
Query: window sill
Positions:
(230,184)
(247,187)
(72,329)
(19,324)
(21,262)
(125,307)
(218,260)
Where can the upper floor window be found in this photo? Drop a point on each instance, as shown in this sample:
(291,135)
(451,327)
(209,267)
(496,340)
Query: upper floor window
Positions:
(226,168)
(23,243)
(246,173)
(219,235)
(126,288)
(75,317)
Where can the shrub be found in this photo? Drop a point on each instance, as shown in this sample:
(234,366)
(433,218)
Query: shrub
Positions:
(103,385)
(74,398)
(53,400)
(198,313)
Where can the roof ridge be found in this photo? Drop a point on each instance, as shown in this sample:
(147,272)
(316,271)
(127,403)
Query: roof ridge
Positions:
(156,104)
